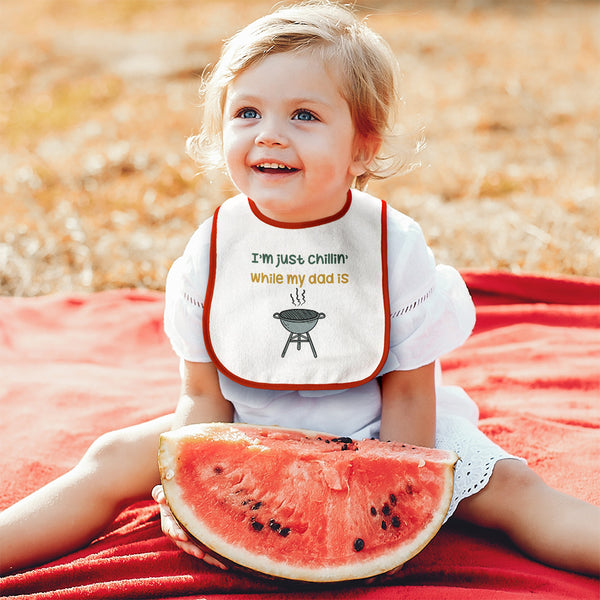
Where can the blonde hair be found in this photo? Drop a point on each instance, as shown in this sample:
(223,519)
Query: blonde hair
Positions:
(366,65)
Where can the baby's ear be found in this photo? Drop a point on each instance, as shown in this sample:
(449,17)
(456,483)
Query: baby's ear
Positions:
(365,150)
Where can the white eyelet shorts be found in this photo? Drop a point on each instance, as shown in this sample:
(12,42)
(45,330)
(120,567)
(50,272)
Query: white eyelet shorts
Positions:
(477,456)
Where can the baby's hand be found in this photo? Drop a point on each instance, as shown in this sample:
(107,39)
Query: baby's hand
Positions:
(178,536)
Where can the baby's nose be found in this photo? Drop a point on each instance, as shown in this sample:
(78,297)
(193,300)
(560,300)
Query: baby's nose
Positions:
(271,134)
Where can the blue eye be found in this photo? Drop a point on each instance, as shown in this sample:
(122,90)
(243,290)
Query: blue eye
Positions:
(248,113)
(304,115)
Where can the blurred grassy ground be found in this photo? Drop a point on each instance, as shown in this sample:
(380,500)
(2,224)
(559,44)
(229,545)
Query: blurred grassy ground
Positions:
(97,98)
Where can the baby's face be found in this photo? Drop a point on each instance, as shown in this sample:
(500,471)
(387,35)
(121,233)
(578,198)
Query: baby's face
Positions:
(288,138)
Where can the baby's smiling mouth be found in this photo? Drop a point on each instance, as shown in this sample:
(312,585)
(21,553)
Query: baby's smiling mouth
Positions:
(274,168)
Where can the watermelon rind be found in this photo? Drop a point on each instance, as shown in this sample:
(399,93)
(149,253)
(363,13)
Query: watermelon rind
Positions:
(213,542)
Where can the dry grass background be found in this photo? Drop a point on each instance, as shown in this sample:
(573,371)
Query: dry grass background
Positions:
(98,96)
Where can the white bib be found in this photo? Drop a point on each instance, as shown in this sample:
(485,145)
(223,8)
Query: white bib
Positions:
(298,305)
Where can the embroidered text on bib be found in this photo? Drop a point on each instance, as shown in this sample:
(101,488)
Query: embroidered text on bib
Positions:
(298,306)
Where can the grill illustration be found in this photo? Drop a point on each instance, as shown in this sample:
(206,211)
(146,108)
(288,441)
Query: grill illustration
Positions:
(299,321)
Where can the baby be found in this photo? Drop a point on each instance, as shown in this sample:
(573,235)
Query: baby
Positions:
(301,110)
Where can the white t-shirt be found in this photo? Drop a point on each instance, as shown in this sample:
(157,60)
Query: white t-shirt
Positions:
(431,314)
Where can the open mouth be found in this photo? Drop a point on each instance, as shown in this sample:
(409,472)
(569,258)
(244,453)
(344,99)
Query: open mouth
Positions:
(274,168)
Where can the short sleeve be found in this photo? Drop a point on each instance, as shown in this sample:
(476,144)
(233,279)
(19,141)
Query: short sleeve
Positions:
(431,309)
(184,297)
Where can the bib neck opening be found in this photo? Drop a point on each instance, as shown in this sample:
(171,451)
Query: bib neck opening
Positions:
(301,224)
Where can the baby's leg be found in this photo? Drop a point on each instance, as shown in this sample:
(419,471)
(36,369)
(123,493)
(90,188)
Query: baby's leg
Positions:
(550,526)
(119,468)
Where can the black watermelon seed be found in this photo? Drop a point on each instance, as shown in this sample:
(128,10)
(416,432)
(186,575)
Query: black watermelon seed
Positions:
(274,525)
(392,500)
(409,489)
(345,447)
(386,510)
(395,521)
(342,440)
(383,525)
(256,506)
(257,526)
(284,531)
(218,470)
(373,510)
(359,544)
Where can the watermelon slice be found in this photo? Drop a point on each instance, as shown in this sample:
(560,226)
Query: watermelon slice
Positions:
(303,505)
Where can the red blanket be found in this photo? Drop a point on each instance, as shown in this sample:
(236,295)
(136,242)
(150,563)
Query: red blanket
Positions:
(75,366)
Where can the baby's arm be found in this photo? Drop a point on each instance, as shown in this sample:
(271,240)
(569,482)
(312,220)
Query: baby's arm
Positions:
(200,401)
(408,406)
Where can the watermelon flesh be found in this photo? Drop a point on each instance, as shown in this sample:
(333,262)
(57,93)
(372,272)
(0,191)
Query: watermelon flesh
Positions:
(303,505)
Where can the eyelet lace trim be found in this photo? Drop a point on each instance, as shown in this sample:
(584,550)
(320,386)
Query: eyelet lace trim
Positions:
(413,305)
